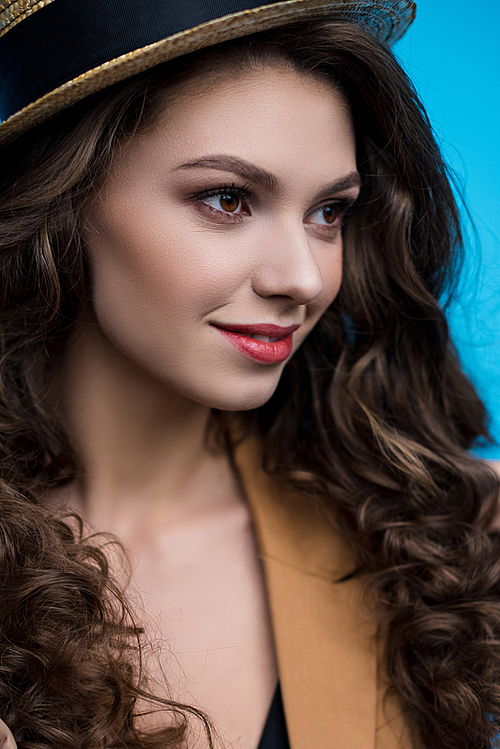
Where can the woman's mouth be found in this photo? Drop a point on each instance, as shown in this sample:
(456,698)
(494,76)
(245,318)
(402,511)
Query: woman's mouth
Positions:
(267,343)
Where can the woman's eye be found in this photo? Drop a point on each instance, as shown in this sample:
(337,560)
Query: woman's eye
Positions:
(225,202)
(328,215)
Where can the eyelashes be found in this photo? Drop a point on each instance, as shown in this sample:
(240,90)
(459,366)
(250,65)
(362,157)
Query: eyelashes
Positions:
(232,200)
(336,212)
(233,203)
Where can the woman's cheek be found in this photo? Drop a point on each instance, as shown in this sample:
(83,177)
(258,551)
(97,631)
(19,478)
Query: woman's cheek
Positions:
(331,271)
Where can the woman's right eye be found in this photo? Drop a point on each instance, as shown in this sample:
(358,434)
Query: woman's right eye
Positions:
(225,202)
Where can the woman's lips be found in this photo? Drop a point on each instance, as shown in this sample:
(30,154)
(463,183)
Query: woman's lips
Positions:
(272,351)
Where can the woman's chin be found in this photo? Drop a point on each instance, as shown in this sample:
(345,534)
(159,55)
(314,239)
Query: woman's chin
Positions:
(238,399)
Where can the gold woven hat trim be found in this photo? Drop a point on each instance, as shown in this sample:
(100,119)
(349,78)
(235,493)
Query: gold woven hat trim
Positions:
(206,34)
(13,12)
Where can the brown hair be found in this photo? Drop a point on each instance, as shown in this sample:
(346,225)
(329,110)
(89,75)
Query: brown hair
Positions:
(373,413)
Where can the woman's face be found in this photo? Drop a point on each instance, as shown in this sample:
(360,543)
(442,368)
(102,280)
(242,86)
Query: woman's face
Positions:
(221,223)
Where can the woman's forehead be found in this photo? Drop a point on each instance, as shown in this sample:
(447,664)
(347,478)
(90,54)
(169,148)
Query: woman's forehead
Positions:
(272,117)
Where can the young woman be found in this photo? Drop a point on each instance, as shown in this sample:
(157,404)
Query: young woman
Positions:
(226,233)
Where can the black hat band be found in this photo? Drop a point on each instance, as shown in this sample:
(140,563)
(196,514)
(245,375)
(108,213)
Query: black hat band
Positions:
(69,37)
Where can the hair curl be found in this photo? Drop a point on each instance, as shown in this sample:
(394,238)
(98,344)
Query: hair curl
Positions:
(373,414)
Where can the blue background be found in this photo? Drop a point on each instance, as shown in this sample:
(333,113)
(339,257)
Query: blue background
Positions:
(452,54)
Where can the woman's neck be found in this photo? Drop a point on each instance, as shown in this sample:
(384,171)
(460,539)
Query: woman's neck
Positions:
(143,446)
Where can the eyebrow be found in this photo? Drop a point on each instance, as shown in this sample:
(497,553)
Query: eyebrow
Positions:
(262,177)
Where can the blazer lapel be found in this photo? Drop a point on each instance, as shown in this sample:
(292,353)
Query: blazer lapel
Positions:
(324,633)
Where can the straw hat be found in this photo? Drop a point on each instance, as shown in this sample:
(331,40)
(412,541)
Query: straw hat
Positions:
(55,52)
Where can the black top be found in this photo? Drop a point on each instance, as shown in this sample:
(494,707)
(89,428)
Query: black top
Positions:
(275,735)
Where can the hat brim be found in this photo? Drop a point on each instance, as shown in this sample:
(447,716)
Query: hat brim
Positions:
(388,20)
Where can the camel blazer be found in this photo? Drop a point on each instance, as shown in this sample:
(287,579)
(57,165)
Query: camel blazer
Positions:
(328,653)
(326,645)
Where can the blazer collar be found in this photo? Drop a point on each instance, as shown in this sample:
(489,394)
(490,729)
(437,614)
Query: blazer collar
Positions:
(324,631)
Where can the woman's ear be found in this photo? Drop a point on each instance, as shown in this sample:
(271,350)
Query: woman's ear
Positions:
(6,738)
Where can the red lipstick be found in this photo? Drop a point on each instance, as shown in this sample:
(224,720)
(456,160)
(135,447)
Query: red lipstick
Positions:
(272,351)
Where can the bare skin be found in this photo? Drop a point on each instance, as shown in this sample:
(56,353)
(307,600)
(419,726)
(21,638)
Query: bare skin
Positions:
(180,513)
(6,737)
(142,374)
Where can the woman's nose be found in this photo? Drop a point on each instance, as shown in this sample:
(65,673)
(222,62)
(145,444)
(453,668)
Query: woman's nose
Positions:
(287,266)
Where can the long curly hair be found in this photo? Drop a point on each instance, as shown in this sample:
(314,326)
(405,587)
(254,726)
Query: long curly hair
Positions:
(373,414)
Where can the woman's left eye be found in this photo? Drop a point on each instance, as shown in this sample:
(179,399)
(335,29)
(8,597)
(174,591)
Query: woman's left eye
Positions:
(328,215)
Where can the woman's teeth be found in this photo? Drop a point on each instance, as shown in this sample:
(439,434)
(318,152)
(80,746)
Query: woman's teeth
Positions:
(264,338)
(258,337)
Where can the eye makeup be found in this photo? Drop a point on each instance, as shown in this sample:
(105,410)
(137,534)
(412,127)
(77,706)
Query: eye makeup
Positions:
(233,203)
